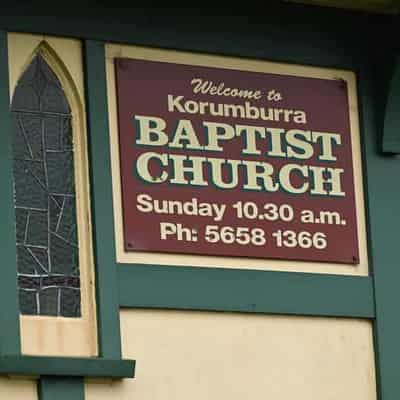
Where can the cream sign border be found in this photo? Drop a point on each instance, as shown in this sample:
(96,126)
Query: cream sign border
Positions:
(119,51)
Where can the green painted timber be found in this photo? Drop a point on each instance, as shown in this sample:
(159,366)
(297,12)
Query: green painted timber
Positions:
(274,31)
(186,288)
(383,186)
(101,194)
(391,133)
(67,366)
(53,388)
(9,315)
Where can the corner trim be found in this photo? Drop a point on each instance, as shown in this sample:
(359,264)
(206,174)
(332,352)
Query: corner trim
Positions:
(391,134)
(9,316)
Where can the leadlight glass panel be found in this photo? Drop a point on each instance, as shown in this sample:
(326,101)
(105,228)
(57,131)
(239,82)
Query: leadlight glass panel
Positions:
(44,195)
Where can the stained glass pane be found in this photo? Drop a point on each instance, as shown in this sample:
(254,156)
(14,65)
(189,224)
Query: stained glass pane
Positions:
(44,191)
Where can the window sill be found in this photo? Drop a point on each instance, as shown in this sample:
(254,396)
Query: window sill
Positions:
(22,365)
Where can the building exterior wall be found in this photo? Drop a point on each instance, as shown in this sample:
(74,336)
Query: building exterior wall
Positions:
(17,388)
(301,331)
(213,355)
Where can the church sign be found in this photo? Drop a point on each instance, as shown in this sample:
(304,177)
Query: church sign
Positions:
(221,161)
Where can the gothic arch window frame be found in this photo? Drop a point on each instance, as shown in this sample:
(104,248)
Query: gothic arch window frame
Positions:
(56,335)
(44,187)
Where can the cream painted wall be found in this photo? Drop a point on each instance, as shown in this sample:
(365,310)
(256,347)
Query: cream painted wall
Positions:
(204,355)
(17,389)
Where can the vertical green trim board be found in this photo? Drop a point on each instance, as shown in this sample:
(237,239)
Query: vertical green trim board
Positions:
(9,316)
(391,132)
(103,221)
(51,388)
(383,190)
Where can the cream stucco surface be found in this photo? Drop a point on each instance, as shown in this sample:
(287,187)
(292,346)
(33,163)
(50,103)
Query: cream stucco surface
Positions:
(17,389)
(204,355)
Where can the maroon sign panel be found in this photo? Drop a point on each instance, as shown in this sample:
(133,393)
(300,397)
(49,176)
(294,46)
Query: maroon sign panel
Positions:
(226,162)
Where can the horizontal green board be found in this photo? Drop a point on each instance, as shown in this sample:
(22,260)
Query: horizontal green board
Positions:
(147,286)
(69,367)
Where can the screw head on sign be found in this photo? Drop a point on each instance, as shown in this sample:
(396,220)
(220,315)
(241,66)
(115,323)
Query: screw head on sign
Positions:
(122,64)
(342,83)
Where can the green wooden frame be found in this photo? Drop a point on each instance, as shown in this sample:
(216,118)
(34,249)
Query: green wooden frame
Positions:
(391,137)
(213,289)
(374,297)
(384,228)
(66,367)
(61,388)
(9,317)
(101,194)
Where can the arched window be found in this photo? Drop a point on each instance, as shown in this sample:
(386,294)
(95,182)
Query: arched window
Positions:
(45,204)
